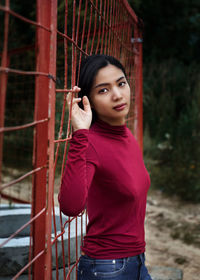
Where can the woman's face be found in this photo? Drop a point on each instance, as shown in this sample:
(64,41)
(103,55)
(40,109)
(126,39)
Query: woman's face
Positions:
(110,95)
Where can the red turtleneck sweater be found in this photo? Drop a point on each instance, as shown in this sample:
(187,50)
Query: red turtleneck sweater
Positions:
(106,172)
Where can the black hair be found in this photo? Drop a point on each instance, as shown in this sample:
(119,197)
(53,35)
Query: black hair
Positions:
(89,68)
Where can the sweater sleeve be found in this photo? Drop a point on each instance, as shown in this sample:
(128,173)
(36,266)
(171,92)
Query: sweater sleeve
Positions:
(78,174)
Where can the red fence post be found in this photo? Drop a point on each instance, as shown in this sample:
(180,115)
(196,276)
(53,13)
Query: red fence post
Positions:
(43,95)
(138,121)
(3,82)
(51,136)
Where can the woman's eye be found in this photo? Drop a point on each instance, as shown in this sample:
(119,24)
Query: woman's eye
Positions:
(121,84)
(103,90)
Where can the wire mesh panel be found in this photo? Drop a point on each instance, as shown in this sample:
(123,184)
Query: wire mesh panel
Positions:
(41,44)
(84,28)
(27,71)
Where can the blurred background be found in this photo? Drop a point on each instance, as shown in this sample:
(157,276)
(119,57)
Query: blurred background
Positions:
(171,84)
(171,101)
(172,94)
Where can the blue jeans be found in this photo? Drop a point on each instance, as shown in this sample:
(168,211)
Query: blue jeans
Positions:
(131,268)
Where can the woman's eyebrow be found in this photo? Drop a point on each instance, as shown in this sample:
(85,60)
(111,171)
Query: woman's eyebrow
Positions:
(101,85)
(106,84)
(122,77)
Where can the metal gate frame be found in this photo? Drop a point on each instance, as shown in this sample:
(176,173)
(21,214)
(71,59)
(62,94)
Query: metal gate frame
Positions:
(44,124)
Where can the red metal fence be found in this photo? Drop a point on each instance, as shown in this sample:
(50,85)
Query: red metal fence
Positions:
(40,45)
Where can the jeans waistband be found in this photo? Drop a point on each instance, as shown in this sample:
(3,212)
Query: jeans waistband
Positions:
(140,258)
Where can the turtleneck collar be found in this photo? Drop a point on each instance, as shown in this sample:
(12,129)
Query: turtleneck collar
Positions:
(101,126)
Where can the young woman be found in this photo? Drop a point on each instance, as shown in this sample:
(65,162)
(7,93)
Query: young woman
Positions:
(105,172)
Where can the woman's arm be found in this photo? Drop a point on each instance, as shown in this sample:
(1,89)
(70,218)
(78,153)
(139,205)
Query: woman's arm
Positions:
(78,174)
(79,170)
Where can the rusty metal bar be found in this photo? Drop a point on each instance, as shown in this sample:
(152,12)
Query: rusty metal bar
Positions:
(22,228)
(66,45)
(70,270)
(99,32)
(61,124)
(19,50)
(16,71)
(104,25)
(4,186)
(94,33)
(3,81)
(138,123)
(116,46)
(77,29)
(111,27)
(82,38)
(51,135)
(72,41)
(110,24)
(73,58)
(89,29)
(12,198)
(65,90)
(8,10)
(29,264)
(19,127)
(62,140)
(130,11)
(41,137)
(107,23)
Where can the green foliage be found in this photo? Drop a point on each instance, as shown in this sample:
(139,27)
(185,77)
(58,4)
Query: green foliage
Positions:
(171,115)
(171,28)
(172,94)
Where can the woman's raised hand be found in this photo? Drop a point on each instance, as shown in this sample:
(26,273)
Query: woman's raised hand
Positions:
(80,118)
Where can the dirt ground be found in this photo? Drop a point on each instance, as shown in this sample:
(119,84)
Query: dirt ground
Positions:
(173,234)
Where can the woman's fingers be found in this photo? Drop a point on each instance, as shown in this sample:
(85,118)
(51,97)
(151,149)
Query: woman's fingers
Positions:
(77,89)
(80,118)
(86,104)
(72,99)
(75,100)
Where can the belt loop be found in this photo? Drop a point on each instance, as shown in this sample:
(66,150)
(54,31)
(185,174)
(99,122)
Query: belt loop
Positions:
(141,258)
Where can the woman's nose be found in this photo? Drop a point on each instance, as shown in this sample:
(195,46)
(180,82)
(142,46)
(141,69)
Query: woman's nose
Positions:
(116,94)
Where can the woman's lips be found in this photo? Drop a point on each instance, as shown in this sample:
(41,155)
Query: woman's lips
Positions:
(120,107)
